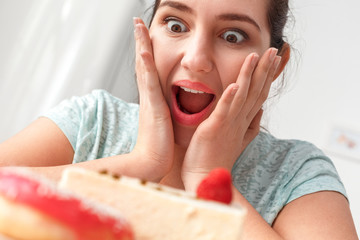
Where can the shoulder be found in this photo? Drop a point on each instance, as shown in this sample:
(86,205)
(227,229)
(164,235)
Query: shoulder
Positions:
(108,105)
(97,104)
(290,156)
(272,152)
(97,124)
(272,172)
(99,99)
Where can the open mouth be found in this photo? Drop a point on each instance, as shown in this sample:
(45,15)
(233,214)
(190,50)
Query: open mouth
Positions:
(191,101)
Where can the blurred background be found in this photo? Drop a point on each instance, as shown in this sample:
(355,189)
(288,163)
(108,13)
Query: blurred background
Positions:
(55,49)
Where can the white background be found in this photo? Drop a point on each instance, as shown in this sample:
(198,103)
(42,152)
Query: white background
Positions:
(53,49)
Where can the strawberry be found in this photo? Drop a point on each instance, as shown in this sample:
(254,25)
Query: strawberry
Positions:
(216,186)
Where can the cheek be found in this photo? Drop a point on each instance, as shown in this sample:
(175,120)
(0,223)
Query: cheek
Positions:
(229,69)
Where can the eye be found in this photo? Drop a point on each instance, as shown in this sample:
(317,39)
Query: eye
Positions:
(175,26)
(233,36)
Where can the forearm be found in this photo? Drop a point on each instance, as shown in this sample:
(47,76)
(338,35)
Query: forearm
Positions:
(255,227)
(126,164)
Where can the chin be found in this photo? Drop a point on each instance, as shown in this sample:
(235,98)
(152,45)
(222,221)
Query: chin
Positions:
(183,134)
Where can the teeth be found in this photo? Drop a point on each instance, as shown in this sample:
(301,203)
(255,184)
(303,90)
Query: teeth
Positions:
(191,90)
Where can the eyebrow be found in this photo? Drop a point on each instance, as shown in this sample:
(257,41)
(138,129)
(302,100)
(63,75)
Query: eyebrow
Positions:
(239,17)
(225,17)
(177,5)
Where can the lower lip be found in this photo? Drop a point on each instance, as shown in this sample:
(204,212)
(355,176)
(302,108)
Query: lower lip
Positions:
(188,119)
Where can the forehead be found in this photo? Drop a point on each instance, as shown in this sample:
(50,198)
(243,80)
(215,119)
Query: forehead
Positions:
(256,9)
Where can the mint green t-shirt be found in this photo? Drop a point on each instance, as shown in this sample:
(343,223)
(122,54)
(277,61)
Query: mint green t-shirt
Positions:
(270,172)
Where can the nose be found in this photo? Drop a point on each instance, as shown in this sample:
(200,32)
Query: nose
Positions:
(197,54)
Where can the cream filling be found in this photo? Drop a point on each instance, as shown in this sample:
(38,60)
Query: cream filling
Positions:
(158,212)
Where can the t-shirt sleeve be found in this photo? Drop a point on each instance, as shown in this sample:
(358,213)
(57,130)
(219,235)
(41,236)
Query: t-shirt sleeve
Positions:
(305,170)
(273,172)
(314,175)
(69,113)
(97,125)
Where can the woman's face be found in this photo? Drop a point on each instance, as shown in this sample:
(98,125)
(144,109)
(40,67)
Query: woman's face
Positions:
(199,47)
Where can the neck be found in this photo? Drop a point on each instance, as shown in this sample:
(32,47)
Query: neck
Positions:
(173,178)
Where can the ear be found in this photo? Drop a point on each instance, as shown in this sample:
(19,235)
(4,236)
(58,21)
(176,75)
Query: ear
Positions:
(285,56)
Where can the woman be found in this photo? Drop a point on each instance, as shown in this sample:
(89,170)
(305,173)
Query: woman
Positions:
(204,70)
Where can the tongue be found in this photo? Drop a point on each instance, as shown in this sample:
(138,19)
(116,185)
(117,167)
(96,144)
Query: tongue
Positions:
(193,102)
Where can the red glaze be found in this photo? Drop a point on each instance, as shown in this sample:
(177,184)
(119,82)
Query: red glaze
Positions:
(87,223)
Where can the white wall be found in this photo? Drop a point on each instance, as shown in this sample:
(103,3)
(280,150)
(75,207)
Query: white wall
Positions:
(325,91)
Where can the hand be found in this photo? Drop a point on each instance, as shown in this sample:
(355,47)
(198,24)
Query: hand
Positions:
(234,123)
(155,143)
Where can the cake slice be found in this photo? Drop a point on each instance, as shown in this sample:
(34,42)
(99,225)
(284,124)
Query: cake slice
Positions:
(33,208)
(157,212)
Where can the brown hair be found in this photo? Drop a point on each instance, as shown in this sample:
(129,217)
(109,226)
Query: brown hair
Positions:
(277,18)
(277,15)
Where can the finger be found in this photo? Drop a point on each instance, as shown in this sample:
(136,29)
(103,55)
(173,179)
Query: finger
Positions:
(150,90)
(139,64)
(234,96)
(243,81)
(222,108)
(144,37)
(153,87)
(258,79)
(145,66)
(143,44)
(266,89)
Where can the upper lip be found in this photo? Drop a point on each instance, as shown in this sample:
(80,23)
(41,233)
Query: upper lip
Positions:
(198,86)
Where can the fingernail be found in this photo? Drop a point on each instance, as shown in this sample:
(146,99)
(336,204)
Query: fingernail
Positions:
(254,59)
(277,61)
(273,54)
(135,20)
(234,89)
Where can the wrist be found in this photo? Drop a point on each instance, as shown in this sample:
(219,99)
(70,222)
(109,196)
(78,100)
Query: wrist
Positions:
(142,166)
(192,180)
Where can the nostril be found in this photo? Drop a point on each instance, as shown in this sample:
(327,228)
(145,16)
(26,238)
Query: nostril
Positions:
(197,60)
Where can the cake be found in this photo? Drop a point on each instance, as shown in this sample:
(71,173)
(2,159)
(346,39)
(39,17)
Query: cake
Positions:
(33,208)
(157,212)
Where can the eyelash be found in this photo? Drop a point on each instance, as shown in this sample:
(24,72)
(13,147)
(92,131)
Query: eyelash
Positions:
(242,34)
(222,35)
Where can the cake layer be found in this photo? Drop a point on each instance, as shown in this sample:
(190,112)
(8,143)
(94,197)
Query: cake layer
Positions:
(158,212)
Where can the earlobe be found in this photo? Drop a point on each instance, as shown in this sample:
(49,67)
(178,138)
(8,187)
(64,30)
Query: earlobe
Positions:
(285,56)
